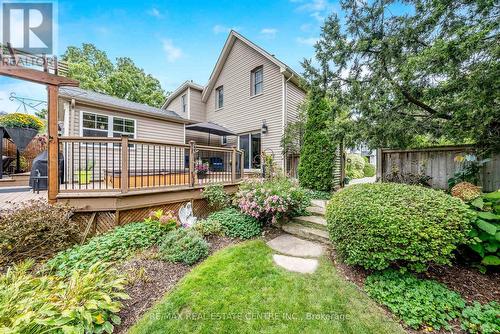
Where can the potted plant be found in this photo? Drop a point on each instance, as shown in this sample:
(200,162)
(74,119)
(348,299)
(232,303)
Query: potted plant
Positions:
(201,169)
(84,176)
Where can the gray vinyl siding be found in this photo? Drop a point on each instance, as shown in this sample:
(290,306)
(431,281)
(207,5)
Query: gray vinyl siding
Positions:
(243,113)
(294,98)
(196,106)
(176,104)
(146,128)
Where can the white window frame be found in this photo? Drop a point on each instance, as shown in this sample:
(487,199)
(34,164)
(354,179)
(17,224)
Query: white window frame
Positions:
(110,123)
(217,99)
(223,140)
(253,91)
(184,104)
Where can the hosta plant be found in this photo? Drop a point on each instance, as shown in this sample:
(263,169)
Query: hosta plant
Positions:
(485,233)
(85,302)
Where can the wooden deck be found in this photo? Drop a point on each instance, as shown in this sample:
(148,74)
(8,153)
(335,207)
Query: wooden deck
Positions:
(16,195)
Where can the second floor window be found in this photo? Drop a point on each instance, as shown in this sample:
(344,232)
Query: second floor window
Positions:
(257,80)
(184,103)
(219,97)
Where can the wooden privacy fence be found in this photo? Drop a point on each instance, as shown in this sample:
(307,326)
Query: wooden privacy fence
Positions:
(436,162)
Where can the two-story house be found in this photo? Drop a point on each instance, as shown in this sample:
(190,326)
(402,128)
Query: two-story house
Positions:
(251,93)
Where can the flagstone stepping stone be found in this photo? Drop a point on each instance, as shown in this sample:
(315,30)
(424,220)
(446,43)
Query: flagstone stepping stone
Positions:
(296,264)
(290,245)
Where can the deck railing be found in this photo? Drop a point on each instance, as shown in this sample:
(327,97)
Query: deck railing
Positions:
(125,164)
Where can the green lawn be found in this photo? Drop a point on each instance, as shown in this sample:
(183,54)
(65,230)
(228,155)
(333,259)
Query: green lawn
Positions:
(240,290)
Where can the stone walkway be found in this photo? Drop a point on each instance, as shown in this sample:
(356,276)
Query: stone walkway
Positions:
(295,254)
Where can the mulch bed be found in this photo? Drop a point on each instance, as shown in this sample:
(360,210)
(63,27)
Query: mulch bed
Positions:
(467,281)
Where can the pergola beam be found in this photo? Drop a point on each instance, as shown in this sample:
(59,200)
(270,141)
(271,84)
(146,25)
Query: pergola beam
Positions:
(36,76)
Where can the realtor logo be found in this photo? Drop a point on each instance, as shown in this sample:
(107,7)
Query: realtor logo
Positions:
(29,26)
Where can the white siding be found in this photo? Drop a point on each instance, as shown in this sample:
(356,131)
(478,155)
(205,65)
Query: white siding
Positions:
(294,98)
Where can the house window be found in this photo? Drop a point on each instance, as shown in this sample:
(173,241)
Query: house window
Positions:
(184,103)
(219,97)
(223,140)
(123,126)
(94,125)
(250,144)
(257,80)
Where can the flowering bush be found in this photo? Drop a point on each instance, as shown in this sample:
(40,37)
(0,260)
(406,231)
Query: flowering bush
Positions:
(18,120)
(271,200)
(166,220)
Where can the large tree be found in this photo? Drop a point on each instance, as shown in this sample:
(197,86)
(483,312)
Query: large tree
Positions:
(415,70)
(96,72)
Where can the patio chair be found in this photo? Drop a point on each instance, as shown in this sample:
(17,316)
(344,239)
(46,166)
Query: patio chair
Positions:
(216,164)
(6,161)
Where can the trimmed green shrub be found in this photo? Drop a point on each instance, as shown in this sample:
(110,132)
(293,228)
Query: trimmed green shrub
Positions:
(35,230)
(207,227)
(236,224)
(116,245)
(482,319)
(318,194)
(85,302)
(318,150)
(368,170)
(417,302)
(354,166)
(382,224)
(183,245)
(485,233)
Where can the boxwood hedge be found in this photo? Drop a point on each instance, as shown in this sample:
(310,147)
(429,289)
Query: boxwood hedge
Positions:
(383,224)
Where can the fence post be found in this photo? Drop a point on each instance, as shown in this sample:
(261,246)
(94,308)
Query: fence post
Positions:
(380,153)
(124,171)
(233,166)
(242,165)
(191,162)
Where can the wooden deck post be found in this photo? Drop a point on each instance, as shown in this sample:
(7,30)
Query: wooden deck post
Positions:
(379,164)
(124,171)
(242,165)
(53,147)
(191,162)
(233,165)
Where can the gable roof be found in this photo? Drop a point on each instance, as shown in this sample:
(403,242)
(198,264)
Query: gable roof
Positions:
(111,102)
(233,36)
(180,89)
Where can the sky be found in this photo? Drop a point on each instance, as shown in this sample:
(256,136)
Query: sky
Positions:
(181,40)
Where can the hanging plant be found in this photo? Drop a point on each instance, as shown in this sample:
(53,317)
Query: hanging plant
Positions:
(18,120)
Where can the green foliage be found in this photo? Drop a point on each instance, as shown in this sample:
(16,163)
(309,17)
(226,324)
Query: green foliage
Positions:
(236,224)
(93,69)
(18,120)
(216,196)
(35,230)
(382,224)
(468,170)
(419,303)
(481,319)
(271,200)
(183,245)
(416,179)
(384,66)
(165,220)
(208,227)
(318,194)
(113,246)
(317,155)
(355,165)
(485,233)
(368,170)
(85,302)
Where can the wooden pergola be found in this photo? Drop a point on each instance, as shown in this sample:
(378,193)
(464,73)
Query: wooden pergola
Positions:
(47,73)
